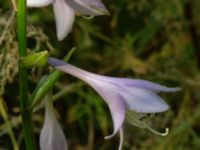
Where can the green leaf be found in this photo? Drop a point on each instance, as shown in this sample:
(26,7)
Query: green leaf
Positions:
(46,84)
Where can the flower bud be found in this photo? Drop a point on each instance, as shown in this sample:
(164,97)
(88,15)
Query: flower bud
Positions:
(35,60)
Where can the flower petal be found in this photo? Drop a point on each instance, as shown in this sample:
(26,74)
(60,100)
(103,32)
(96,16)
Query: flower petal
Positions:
(38,3)
(88,7)
(144,84)
(108,91)
(65,17)
(70,69)
(51,136)
(116,105)
(143,101)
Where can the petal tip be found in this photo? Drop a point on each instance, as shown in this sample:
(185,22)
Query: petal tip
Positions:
(61,36)
(177,89)
(100,11)
(109,136)
(65,17)
(38,3)
(168,89)
(162,108)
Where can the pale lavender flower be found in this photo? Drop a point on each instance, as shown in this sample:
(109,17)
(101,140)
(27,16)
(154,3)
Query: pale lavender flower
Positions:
(121,94)
(65,11)
(51,136)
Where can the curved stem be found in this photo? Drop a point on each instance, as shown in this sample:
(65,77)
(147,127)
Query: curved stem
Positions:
(23,78)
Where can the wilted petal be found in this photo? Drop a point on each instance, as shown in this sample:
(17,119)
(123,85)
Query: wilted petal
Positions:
(65,17)
(51,136)
(143,101)
(88,7)
(38,3)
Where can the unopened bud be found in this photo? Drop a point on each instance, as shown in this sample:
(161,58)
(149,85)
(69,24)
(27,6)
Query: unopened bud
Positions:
(35,60)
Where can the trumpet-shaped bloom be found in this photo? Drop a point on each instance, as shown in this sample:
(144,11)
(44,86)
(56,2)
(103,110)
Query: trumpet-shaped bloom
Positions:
(51,136)
(121,94)
(65,11)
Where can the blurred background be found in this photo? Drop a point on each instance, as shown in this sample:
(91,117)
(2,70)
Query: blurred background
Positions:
(155,40)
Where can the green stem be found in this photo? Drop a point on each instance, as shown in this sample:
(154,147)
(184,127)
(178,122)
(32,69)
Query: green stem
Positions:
(23,79)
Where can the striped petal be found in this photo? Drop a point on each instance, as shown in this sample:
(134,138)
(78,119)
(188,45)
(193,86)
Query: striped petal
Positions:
(148,85)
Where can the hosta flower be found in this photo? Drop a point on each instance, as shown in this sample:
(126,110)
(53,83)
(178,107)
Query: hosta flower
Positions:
(51,136)
(122,95)
(65,11)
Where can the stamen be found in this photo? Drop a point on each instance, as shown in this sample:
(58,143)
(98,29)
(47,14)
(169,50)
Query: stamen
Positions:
(87,17)
(159,133)
(143,118)
(109,137)
(121,135)
(150,115)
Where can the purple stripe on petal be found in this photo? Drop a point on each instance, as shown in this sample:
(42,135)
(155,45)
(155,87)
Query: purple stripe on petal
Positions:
(144,84)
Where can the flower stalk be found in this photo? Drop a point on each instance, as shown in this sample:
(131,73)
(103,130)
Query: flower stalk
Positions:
(23,78)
